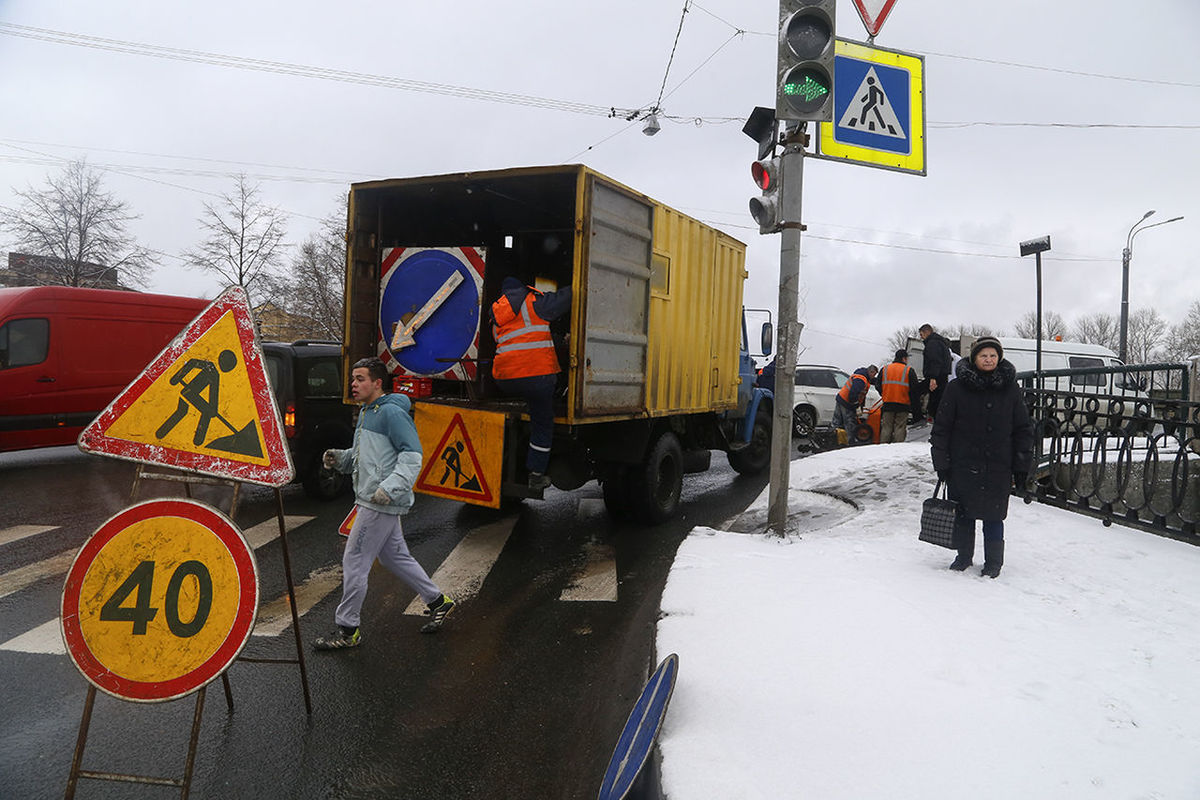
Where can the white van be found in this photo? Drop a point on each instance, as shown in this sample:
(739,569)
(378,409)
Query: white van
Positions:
(1056,355)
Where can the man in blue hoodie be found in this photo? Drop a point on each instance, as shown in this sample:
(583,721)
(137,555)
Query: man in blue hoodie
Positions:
(385,460)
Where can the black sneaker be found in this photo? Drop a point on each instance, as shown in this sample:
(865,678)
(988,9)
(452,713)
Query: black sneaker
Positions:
(339,640)
(437,613)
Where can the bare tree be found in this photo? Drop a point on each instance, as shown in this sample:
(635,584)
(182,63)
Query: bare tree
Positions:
(1052,325)
(77,231)
(313,292)
(969,329)
(1146,336)
(244,241)
(1099,328)
(1184,339)
(899,338)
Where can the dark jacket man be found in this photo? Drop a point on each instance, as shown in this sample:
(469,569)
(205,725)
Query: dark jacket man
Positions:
(936,365)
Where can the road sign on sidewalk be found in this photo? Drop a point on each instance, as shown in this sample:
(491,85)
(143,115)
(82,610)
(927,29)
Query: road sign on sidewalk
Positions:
(878,109)
(203,405)
(160,600)
(873,13)
(641,729)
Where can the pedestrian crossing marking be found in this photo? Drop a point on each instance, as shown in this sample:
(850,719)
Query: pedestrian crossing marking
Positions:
(276,616)
(45,639)
(19,532)
(462,574)
(268,531)
(597,580)
(18,579)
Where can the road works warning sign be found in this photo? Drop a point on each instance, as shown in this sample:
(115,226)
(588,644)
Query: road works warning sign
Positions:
(160,600)
(463,450)
(203,405)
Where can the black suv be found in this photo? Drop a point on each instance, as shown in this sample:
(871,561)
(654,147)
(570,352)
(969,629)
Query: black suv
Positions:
(306,376)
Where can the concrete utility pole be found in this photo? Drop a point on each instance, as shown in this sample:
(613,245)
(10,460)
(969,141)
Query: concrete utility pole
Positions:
(791,187)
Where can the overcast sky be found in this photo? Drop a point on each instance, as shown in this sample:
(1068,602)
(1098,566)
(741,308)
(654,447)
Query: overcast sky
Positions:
(1070,118)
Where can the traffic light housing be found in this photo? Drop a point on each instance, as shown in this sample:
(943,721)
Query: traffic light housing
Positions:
(768,174)
(805,67)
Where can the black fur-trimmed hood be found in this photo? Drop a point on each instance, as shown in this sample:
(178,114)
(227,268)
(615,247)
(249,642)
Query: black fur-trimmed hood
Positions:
(1004,375)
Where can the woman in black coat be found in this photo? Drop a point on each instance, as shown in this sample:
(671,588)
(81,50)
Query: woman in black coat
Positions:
(982,443)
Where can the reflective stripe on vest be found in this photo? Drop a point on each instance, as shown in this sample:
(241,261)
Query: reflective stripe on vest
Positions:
(895,386)
(844,392)
(523,344)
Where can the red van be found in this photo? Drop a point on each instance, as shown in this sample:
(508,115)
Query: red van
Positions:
(65,353)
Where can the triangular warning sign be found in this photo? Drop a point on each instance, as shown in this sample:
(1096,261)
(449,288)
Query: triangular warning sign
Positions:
(873,13)
(203,405)
(871,112)
(456,467)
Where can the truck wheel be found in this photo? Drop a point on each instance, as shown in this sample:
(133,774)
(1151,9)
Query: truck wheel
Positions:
(618,500)
(657,487)
(755,456)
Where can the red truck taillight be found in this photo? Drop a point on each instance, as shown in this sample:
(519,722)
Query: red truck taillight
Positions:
(289,420)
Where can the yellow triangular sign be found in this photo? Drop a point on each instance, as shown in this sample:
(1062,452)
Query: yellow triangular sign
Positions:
(203,405)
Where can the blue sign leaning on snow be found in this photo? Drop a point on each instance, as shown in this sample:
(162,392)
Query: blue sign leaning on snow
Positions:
(641,729)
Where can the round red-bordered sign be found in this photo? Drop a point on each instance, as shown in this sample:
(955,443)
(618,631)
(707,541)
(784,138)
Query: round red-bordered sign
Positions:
(160,600)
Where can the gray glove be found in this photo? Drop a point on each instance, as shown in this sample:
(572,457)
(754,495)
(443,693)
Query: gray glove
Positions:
(329,459)
(381,497)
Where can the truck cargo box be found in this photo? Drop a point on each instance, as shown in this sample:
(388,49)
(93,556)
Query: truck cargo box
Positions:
(655,322)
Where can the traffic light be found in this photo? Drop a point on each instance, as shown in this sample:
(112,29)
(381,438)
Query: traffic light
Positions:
(768,174)
(805,68)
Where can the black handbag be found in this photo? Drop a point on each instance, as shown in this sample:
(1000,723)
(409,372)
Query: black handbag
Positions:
(937,519)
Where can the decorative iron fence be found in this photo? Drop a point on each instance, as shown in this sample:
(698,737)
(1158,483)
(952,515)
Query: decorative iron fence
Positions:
(1121,444)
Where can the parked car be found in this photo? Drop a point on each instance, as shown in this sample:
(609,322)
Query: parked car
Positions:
(817,386)
(306,377)
(66,352)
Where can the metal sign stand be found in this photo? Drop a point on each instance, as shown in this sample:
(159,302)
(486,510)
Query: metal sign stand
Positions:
(184,783)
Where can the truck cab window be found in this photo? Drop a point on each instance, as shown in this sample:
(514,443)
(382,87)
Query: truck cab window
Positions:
(24,342)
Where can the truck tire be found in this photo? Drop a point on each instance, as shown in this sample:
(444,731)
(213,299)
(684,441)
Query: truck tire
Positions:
(755,456)
(658,482)
(618,500)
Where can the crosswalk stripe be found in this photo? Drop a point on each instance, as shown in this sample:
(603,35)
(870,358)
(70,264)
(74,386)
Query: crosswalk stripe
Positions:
(268,531)
(597,580)
(45,639)
(18,532)
(462,573)
(275,617)
(18,579)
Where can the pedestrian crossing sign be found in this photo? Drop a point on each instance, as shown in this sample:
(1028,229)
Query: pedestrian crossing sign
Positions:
(203,405)
(878,109)
(463,453)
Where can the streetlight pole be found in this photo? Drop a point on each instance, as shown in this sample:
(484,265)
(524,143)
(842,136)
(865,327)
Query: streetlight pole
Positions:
(1036,247)
(1126,257)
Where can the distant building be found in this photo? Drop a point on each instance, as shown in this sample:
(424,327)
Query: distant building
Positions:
(25,269)
(276,325)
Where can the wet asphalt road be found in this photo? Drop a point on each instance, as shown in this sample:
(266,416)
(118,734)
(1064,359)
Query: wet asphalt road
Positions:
(521,695)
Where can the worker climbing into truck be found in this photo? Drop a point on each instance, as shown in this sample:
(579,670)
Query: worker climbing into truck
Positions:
(525,364)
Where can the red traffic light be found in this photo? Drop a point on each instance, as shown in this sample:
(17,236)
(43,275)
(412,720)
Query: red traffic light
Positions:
(765,174)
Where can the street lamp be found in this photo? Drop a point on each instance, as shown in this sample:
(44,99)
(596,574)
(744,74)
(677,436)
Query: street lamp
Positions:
(1035,248)
(1126,257)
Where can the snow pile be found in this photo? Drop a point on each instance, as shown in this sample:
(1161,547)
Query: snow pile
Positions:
(847,662)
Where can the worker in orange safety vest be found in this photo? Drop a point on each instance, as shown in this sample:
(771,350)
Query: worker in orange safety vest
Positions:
(526,365)
(899,387)
(850,399)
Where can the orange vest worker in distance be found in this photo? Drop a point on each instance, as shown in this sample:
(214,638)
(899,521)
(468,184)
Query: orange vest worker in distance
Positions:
(899,388)
(894,382)
(526,365)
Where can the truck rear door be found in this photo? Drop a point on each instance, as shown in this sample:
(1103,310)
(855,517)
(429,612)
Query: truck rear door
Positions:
(618,251)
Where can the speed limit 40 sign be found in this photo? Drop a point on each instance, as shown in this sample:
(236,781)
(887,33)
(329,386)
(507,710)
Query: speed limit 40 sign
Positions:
(160,600)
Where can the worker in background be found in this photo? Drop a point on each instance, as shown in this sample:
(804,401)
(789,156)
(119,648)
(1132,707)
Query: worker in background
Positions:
(937,365)
(850,400)
(526,365)
(900,390)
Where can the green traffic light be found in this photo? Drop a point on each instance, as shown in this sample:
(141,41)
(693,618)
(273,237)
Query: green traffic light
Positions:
(809,89)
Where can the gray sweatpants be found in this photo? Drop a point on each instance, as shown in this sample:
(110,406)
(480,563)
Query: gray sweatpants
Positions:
(377,535)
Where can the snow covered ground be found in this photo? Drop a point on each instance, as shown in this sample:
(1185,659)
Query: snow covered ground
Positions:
(846,661)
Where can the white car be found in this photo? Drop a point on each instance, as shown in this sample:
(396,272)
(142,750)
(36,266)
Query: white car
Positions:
(817,386)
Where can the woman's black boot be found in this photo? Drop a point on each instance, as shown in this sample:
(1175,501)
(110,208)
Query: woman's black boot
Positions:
(993,558)
(964,540)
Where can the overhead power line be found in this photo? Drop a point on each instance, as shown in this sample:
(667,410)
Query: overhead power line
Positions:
(305,71)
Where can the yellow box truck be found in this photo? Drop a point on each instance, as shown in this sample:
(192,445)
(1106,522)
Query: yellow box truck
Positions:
(655,363)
